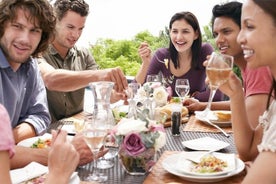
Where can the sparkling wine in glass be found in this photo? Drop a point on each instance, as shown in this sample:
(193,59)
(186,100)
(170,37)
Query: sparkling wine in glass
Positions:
(182,88)
(94,135)
(218,69)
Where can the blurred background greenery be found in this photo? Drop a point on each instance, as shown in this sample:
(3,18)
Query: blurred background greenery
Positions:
(110,53)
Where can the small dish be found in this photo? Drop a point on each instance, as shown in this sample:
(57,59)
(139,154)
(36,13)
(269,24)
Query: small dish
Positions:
(205,144)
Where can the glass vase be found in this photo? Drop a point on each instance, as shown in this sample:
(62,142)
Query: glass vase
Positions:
(139,164)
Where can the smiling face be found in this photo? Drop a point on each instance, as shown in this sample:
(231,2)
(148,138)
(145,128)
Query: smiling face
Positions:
(225,31)
(182,35)
(21,38)
(69,30)
(257,36)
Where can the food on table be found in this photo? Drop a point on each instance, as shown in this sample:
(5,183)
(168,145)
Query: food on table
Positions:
(223,115)
(38,180)
(209,164)
(118,114)
(41,143)
(168,109)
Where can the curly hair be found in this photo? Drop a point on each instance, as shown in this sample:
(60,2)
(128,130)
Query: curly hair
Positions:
(41,12)
(62,6)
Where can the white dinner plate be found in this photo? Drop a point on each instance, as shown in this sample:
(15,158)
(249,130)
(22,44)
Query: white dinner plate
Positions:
(184,165)
(205,144)
(34,170)
(29,142)
(214,119)
(169,164)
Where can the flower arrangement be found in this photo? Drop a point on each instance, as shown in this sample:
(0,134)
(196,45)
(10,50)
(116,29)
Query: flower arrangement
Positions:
(156,91)
(139,139)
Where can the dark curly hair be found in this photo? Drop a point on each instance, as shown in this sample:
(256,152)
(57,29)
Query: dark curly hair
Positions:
(196,46)
(62,6)
(40,11)
(231,10)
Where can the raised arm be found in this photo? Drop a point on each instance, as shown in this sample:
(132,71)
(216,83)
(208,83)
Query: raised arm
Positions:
(145,54)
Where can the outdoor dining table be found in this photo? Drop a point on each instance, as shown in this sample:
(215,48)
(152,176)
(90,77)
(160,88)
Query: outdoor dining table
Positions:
(158,174)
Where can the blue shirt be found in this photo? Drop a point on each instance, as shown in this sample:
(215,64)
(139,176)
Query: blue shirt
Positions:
(24,95)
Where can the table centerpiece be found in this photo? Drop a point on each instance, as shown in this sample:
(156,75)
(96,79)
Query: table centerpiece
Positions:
(139,140)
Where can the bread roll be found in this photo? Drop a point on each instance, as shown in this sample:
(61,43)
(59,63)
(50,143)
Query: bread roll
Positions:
(167,109)
(223,115)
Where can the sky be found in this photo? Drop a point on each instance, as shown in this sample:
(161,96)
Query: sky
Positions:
(123,19)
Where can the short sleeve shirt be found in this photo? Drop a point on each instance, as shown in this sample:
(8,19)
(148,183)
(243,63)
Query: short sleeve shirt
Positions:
(6,135)
(64,104)
(256,81)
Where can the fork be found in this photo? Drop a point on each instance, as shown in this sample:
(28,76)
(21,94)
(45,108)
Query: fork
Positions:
(196,160)
(205,119)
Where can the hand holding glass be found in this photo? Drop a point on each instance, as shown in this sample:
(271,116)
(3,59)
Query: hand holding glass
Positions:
(218,69)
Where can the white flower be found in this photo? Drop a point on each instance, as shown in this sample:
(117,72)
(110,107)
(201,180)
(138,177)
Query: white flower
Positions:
(160,96)
(160,141)
(141,93)
(126,126)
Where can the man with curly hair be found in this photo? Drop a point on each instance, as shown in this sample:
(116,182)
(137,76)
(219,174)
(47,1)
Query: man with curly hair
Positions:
(26,28)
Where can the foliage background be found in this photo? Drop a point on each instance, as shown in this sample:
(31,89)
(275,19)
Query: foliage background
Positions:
(110,53)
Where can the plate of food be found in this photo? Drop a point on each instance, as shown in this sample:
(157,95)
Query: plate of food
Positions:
(40,142)
(168,110)
(43,141)
(222,118)
(120,112)
(209,164)
(172,165)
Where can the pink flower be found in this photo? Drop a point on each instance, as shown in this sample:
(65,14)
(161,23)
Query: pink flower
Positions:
(133,144)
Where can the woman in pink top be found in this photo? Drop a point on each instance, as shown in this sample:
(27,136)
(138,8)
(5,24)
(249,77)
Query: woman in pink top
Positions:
(61,148)
(6,145)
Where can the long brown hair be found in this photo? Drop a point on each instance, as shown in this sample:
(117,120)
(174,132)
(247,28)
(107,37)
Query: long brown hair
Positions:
(269,7)
(196,46)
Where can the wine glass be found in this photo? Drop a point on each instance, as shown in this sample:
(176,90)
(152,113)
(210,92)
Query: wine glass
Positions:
(182,88)
(218,69)
(152,80)
(94,135)
(132,91)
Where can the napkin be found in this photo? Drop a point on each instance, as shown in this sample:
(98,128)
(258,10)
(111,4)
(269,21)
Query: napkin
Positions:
(28,172)
(34,170)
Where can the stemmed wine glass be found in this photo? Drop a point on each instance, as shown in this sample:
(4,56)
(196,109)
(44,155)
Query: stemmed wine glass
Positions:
(132,92)
(151,80)
(182,88)
(218,69)
(94,135)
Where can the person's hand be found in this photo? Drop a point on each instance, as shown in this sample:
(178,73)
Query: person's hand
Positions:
(232,87)
(116,96)
(144,52)
(62,159)
(115,75)
(84,151)
(193,105)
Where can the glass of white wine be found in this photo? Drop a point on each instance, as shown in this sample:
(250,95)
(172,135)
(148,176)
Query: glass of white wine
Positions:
(218,70)
(94,135)
(182,88)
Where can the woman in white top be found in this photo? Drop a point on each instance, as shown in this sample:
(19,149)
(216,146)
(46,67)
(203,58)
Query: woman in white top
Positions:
(258,41)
